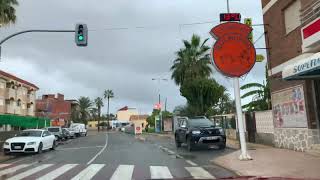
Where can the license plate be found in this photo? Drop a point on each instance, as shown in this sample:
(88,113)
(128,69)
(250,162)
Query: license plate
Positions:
(17,147)
(212,138)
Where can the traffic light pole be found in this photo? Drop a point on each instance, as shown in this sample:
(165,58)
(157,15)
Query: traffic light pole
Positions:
(29,31)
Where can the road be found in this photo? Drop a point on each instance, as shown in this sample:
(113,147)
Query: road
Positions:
(115,155)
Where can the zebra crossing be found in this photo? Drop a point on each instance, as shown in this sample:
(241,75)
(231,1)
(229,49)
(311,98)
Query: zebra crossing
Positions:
(98,171)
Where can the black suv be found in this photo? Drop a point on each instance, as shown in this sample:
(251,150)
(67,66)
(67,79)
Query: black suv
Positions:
(199,132)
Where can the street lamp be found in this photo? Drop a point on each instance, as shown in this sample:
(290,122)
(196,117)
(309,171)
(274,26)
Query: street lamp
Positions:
(159,81)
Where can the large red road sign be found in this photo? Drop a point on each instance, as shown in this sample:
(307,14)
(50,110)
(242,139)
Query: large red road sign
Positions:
(233,54)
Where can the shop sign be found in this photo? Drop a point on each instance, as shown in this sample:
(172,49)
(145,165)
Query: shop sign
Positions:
(289,109)
(233,54)
(311,33)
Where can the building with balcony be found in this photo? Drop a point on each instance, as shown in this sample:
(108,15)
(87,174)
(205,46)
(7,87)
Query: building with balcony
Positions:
(55,108)
(293,38)
(17,96)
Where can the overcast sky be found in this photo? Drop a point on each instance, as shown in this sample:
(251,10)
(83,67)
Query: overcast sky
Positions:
(124,60)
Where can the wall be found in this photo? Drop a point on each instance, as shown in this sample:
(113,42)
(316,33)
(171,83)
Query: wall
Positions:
(125,115)
(264,127)
(6,135)
(298,139)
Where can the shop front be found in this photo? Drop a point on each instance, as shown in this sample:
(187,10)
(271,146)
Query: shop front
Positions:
(296,107)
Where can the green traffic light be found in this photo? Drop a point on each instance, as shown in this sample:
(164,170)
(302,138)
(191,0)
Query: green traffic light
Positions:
(80,37)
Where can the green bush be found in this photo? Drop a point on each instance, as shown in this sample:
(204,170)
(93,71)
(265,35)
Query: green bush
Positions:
(151,130)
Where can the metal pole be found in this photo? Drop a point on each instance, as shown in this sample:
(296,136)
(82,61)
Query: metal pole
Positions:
(244,154)
(28,31)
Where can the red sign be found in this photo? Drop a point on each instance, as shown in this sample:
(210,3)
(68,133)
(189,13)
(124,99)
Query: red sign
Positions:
(157,106)
(233,54)
(311,29)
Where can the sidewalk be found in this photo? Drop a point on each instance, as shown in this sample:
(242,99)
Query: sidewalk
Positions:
(269,161)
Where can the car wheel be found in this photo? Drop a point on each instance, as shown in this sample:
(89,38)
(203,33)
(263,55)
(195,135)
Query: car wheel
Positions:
(54,145)
(222,146)
(190,145)
(40,148)
(178,143)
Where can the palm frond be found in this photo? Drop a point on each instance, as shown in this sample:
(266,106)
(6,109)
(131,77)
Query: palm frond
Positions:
(250,93)
(251,85)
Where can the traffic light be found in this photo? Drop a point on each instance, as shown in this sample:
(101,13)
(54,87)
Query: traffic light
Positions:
(81,35)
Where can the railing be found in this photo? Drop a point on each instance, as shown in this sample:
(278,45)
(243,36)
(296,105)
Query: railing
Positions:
(311,12)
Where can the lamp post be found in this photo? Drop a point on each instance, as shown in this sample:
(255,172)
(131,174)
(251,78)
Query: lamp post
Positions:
(159,84)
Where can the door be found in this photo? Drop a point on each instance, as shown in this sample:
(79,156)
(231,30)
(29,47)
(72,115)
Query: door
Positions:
(317,100)
(183,131)
(46,140)
(251,126)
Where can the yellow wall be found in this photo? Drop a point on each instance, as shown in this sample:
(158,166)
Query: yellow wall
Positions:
(125,115)
(139,122)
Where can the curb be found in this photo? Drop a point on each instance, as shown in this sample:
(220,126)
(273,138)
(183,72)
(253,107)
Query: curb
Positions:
(6,158)
(161,135)
(238,173)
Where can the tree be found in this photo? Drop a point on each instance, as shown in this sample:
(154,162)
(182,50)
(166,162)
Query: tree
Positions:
(7,11)
(108,94)
(85,105)
(201,95)
(99,103)
(261,96)
(151,118)
(192,61)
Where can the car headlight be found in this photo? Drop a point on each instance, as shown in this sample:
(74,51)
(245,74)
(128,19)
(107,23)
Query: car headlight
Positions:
(221,131)
(31,143)
(196,132)
(6,143)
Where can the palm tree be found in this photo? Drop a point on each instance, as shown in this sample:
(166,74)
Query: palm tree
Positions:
(261,98)
(192,61)
(99,103)
(85,105)
(108,94)
(7,11)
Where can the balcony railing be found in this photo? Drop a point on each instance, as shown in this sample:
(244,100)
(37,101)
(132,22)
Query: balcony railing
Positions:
(311,12)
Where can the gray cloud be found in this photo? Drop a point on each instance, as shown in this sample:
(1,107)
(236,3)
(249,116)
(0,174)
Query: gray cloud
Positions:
(123,60)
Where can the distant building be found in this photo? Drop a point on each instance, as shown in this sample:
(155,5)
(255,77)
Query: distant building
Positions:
(125,113)
(140,120)
(56,108)
(17,96)
(293,38)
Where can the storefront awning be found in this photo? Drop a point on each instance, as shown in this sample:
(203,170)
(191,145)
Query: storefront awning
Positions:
(308,68)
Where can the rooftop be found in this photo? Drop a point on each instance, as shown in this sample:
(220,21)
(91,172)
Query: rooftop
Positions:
(18,79)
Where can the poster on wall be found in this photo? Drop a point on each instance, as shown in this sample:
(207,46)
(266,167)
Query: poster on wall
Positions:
(167,124)
(289,108)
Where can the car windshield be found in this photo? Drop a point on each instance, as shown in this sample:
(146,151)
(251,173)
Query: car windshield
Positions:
(200,123)
(53,129)
(30,133)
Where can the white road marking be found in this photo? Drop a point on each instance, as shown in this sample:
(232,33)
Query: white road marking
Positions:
(30,172)
(104,147)
(170,152)
(199,173)
(160,172)
(4,165)
(89,172)
(123,172)
(191,163)
(57,172)
(62,149)
(13,169)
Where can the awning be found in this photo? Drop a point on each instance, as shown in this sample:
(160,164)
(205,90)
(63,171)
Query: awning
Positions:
(308,68)
(24,121)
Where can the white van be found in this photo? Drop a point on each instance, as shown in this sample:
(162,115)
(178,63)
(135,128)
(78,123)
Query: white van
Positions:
(79,129)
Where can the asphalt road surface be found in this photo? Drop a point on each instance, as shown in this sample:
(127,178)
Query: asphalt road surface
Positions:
(115,156)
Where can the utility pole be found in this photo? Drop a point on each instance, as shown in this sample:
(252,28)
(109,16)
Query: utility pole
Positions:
(244,154)
(159,82)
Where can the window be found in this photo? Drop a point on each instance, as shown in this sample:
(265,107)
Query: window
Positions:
(292,16)
(7,101)
(19,103)
(90,125)
(183,123)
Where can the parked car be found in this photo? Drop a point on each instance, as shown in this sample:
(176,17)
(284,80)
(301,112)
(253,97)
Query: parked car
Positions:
(30,141)
(199,132)
(79,128)
(57,131)
(69,134)
(72,132)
